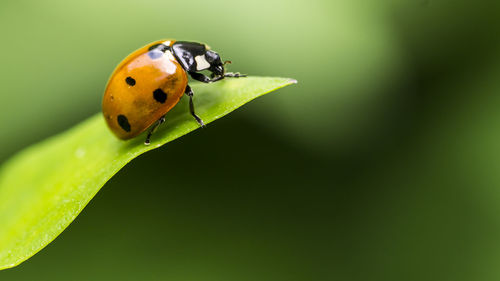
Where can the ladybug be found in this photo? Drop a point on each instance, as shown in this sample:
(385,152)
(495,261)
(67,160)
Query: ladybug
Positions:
(151,81)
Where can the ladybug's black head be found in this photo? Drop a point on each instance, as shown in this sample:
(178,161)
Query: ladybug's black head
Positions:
(216,65)
(195,57)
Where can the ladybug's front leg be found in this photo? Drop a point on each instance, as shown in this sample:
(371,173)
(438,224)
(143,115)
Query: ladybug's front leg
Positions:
(234,74)
(205,79)
(189,93)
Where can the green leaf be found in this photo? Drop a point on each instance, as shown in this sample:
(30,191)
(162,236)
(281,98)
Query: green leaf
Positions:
(44,187)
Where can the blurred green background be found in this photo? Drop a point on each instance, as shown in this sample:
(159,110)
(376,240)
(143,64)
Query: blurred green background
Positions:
(383,163)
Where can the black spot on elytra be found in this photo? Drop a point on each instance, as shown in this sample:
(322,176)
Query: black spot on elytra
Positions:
(160,95)
(130,81)
(123,122)
(157,50)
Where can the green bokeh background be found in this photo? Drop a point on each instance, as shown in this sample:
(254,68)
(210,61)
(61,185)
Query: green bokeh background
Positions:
(383,163)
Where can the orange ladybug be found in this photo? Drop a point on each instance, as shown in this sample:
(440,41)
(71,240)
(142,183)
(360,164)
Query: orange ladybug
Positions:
(151,81)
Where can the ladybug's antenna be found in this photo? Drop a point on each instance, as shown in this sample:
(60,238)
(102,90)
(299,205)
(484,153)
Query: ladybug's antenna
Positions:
(224,68)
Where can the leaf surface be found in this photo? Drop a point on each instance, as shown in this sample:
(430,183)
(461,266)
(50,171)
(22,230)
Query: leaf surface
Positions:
(44,187)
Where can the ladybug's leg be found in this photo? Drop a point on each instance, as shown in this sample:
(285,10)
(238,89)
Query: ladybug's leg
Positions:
(235,74)
(205,79)
(153,129)
(190,94)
